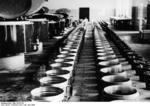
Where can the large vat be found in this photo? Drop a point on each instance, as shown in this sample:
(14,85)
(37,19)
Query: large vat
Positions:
(40,30)
(36,5)
(10,9)
(54,23)
(15,37)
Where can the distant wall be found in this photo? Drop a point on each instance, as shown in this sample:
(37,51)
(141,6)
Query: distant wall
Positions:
(101,8)
(98,8)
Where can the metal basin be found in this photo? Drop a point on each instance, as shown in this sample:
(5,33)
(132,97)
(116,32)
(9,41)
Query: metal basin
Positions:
(54,81)
(106,54)
(59,73)
(61,56)
(70,56)
(105,58)
(71,61)
(114,70)
(70,49)
(100,47)
(56,66)
(60,66)
(105,48)
(120,92)
(105,51)
(115,80)
(64,52)
(109,63)
(47,93)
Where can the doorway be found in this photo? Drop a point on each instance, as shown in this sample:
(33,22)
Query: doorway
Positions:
(84,12)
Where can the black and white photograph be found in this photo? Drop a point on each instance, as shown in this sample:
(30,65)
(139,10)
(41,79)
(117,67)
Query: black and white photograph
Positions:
(82,51)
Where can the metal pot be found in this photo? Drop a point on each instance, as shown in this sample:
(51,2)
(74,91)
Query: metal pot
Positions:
(70,61)
(109,63)
(106,53)
(59,73)
(62,66)
(54,81)
(47,93)
(113,70)
(115,80)
(120,92)
(106,58)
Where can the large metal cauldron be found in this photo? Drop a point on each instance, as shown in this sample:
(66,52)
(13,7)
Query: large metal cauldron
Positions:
(40,30)
(10,9)
(36,6)
(54,23)
(52,28)
(15,37)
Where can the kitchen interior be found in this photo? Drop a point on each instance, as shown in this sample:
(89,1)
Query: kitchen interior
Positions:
(74,51)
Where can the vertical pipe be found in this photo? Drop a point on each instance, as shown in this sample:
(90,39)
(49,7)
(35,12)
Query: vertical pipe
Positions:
(24,32)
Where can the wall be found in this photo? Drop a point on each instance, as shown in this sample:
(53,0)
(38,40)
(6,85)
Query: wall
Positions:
(98,8)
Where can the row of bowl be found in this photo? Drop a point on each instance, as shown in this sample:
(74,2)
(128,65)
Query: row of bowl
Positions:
(138,63)
(112,67)
(57,84)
